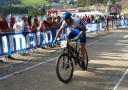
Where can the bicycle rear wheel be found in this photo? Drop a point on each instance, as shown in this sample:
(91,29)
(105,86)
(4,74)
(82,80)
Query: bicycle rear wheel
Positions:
(83,63)
(64,68)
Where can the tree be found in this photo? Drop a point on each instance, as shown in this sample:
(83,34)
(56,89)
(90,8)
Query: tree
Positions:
(33,2)
(35,6)
(93,2)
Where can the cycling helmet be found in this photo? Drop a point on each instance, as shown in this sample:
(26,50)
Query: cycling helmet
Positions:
(66,15)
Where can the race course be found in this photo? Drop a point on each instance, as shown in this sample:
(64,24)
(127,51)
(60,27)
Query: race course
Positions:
(107,69)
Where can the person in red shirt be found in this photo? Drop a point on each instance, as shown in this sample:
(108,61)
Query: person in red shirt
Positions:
(33,27)
(4,28)
(107,23)
(87,20)
(12,22)
(4,25)
(36,21)
(50,22)
(41,26)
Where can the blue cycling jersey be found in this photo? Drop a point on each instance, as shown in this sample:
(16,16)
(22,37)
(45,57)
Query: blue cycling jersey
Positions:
(76,22)
(74,31)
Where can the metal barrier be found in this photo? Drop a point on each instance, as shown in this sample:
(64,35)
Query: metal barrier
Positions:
(17,42)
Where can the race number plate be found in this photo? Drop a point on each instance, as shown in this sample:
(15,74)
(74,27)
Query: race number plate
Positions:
(63,44)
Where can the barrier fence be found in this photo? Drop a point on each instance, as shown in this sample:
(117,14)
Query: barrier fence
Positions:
(123,23)
(18,42)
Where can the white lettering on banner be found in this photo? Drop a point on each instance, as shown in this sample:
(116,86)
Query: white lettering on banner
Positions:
(125,22)
(94,27)
(20,39)
(38,34)
(45,37)
(31,40)
(5,44)
(49,33)
(103,24)
(88,26)
(11,42)
(28,41)
(100,26)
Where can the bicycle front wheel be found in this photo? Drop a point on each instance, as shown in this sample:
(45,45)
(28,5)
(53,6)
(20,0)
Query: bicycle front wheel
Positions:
(64,68)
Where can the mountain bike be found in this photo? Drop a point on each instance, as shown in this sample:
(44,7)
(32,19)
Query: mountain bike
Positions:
(69,57)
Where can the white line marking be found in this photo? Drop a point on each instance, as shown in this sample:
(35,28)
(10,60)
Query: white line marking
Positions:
(26,69)
(120,80)
(31,67)
(125,36)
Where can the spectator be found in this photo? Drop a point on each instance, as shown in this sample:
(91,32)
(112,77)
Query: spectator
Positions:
(82,20)
(112,20)
(87,19)
(29,20)
(97,22)
(41,26)
(11,22)
(21,26)
(92,18)
(54,21)
(4,28)
(107,23)
(74,15)
(50,22)
(26,24)
(46,24)
(35,21)
(33,27)
(59,21)
(4,25)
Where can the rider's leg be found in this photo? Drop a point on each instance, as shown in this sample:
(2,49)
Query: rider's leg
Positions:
(82,51)
(82,46)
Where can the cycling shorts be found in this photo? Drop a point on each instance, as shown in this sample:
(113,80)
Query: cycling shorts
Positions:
(74,33)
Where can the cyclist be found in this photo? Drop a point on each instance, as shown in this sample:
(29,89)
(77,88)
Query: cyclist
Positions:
(78,31)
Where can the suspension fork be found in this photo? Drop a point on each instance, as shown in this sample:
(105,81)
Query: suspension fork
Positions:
(68,51)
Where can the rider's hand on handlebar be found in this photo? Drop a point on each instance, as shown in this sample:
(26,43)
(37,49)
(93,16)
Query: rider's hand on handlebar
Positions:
(54,41)
(75,39)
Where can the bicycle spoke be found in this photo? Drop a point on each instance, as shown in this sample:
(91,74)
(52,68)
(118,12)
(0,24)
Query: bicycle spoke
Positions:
(64,68)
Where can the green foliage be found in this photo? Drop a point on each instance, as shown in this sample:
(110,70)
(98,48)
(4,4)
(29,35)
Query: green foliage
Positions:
(93,2)
(125,7)
(33,2)
(35,7)
(36,11)
(32,7)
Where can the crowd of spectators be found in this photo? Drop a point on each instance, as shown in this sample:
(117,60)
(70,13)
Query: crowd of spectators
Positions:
(29,23)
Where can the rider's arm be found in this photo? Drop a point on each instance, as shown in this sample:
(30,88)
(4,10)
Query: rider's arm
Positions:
(58,33)
(60,30)
(79,25)
(82,28)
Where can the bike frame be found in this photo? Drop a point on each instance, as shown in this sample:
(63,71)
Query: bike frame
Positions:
(71,51)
